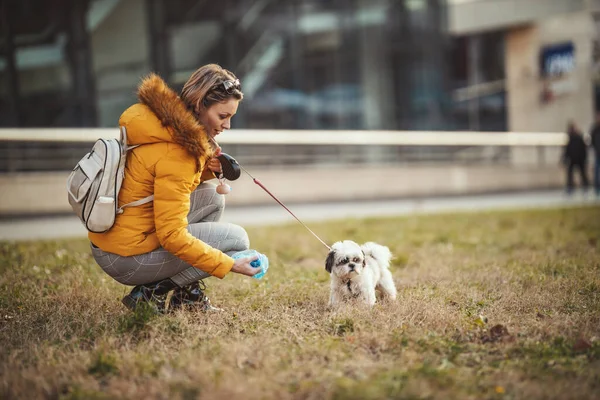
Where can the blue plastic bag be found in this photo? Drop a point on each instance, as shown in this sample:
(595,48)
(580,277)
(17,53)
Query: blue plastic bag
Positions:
(262,262)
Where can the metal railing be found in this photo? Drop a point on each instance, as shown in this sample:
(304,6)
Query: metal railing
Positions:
(59,149)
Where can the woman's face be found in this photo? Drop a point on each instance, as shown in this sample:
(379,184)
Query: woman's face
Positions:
(217,117)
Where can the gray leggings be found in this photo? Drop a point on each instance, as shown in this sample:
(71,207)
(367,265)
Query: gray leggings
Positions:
(206,208)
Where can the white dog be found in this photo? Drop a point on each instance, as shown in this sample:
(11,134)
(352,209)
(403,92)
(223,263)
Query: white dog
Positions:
(356,271)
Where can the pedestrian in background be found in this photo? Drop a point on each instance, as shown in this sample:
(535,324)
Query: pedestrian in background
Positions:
(575,157)
(595,134)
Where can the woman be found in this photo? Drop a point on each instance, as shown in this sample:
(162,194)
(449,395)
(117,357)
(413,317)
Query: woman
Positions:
(176,240)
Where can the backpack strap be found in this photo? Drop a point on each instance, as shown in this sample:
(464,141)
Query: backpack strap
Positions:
(136,203)
(125,148)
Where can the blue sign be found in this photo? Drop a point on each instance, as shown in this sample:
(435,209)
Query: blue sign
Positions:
(557,60)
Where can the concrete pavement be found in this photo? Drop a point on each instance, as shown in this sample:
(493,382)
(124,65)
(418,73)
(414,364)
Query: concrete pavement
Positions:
(69,226)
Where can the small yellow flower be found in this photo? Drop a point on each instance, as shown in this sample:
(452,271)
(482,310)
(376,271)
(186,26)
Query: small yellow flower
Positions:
(499,389)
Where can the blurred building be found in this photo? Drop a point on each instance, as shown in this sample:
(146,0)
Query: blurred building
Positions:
(495,65)
(530,61)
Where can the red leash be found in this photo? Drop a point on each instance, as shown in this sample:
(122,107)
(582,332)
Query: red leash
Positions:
(270,194)
(283,205)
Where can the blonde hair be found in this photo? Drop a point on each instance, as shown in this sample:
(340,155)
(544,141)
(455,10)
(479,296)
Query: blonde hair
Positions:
(205,88)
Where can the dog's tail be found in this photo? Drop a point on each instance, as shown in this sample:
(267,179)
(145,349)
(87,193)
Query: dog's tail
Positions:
(381,254)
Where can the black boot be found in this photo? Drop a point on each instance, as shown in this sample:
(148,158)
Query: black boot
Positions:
(154,293)
(191,296)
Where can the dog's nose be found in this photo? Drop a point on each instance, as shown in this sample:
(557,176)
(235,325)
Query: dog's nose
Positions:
(351,266)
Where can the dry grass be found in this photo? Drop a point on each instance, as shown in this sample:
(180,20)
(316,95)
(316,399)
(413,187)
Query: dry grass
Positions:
(491,305)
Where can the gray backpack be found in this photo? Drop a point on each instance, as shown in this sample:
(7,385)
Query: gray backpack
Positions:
(93,185)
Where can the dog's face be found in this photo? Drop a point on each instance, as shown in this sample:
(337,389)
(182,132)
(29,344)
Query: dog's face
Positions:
(345,260)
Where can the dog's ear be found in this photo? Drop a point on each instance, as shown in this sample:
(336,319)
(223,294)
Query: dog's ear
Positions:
(329,261)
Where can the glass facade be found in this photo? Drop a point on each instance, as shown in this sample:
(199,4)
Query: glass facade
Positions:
(45,65)
(477,79)
(304,64)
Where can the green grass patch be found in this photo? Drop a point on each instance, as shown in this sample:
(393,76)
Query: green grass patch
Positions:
(490,305)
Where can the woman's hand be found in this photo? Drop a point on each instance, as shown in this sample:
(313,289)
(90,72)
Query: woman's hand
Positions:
(242,266)
(214,164)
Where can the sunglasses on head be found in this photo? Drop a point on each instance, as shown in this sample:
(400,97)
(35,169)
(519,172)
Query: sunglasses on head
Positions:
(231,85)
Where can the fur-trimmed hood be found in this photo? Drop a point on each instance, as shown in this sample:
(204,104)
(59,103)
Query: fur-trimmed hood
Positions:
(181,125)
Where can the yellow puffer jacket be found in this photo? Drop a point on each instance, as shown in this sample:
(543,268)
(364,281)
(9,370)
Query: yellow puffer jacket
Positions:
(169,165)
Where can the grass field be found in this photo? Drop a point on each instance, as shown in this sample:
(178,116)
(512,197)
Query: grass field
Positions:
(495,305)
